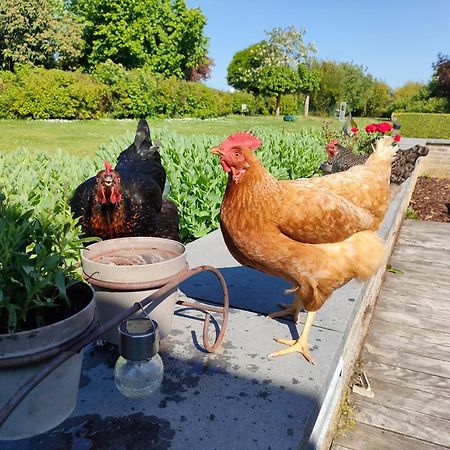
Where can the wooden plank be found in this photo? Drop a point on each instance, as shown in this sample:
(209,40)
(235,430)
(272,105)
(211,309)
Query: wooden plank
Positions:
(406,378)
(416,295)
(432,274)
(405,282)
(433,240)
(429,322)
(424,342)
(421,230)
(410,423)
(426,265)
(409,399)
(413,252)
(393,357)
(417,311)
(417,253)
(367,437)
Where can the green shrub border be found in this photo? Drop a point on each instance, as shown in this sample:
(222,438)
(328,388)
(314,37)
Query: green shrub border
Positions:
(424,125)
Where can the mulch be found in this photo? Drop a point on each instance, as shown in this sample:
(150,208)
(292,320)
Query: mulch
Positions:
(430,197)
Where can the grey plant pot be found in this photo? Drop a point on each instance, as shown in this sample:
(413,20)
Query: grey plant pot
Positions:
(105,279)
(54,399)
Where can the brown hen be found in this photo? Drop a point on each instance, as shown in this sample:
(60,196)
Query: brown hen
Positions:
(316,233)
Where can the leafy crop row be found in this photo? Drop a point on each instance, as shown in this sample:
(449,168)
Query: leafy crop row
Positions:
(41,181)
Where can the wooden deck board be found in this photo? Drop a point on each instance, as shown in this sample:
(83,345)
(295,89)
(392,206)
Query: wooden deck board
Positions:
(398,358)
(430,322)
(415,295)
(407,378)
(367,437)
(406,355)
(407,339)
(409,423)
(410,399)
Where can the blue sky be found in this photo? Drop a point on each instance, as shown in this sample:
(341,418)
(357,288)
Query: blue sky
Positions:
(396,41)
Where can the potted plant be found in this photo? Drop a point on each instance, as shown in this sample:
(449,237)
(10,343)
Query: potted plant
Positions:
(43,305)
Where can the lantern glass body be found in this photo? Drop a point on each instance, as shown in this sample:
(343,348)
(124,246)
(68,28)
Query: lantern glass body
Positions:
(141,378)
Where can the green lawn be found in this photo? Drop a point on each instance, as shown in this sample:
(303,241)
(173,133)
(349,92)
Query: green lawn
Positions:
(84,137)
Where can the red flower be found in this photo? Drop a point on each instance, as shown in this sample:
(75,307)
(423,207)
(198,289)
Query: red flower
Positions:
(384,127)
(371,128)
(397,138)
(354,130)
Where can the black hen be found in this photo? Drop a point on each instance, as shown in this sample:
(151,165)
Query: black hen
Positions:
(128,200)
(403,163)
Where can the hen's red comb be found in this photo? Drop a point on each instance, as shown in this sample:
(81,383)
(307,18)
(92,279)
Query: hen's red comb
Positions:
(107,167)
(241,138)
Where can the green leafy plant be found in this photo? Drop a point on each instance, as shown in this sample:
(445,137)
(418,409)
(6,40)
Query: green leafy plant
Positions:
(39,257)
(410,213)
(393,270)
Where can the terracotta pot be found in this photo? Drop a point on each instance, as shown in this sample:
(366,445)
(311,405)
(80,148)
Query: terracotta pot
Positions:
(121,272)
(54,399)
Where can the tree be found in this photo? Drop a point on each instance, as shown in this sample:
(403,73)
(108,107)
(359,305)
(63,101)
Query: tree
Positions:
(244,69)
(440,83)
(342,82)
(162,35)
(379,97)
(38,32)
(278,56)
(309,82)
(409,90)
(277,81)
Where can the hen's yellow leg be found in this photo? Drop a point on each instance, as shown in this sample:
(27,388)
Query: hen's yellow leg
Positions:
(298,345)
(293,309)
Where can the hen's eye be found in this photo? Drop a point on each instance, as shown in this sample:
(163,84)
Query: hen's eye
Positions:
(237,154)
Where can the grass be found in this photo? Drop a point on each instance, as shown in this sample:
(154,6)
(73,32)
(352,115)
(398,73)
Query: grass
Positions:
(82,138)
(410,213)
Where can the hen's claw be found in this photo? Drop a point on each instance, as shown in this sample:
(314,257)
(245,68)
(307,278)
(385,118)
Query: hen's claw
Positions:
(294,345)
(289,310)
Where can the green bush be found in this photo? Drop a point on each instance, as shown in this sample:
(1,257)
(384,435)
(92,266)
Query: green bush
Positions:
(422,105)
(112,91)
(421,125)
(52,94)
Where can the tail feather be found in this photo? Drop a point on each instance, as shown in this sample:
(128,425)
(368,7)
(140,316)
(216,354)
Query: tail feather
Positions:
(368,253)
(385,147)
(360,256)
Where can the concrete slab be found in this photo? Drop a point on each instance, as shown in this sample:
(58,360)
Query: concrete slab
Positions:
(236,398)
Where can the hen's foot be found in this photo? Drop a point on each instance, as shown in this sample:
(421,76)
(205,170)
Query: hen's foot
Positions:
(294,345)
(289,310)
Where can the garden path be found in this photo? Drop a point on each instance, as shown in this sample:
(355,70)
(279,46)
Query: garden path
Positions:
(406,356)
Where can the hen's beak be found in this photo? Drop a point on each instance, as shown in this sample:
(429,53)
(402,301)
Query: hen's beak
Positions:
(215,151)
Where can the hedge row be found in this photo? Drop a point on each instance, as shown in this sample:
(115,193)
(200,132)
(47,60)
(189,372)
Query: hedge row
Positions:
(424,125)
(112,91)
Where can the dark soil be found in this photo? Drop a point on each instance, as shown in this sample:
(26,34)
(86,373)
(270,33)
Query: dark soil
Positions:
(431,199)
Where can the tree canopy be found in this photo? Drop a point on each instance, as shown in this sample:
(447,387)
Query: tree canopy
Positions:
(440,83)
(269,67)
(162,35)
(38,32)
(341,82)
